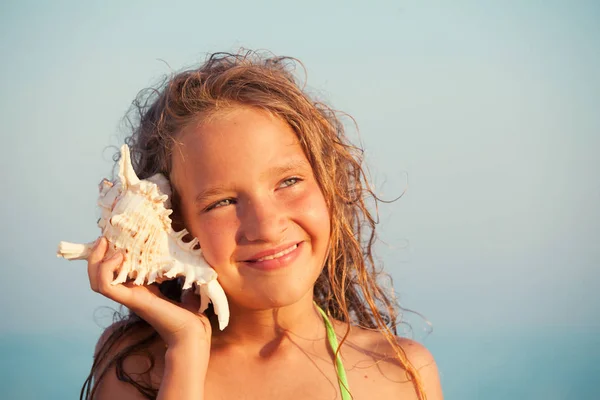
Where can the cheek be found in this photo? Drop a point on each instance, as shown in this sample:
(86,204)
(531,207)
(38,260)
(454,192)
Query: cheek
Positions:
(217,239)
(314,214)
(215,234)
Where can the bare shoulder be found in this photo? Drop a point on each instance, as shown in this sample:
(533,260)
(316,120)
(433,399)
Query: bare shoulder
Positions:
(370,350)
(422,359)
(139,354)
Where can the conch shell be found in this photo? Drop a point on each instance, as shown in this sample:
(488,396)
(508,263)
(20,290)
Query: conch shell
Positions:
(135,220)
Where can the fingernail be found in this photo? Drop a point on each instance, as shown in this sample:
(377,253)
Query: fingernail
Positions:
(96,243)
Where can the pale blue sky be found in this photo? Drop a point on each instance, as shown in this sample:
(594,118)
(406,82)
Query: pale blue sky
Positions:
(489,112)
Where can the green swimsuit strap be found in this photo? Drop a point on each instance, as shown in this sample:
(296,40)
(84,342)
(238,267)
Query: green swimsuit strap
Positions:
(341,373)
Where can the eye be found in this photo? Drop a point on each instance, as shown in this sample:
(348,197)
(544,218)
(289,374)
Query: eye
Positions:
(290,182)
(219,204)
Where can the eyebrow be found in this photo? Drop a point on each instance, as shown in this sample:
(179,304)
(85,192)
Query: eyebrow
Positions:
(291,165)
(205,194)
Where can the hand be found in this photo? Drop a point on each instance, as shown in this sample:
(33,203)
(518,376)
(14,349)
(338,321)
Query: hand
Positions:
(174,322)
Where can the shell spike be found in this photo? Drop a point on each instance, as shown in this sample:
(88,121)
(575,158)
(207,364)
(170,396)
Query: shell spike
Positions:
(193,243)
(74,251)
(219,301)
(152,277)
(174,270)
(140,279)
(122,277)
(126,173)
(189,279)
(179,235)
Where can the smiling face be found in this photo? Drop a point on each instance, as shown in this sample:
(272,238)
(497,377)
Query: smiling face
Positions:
(248,193)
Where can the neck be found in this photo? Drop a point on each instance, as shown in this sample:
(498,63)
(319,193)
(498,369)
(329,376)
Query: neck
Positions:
(267,330)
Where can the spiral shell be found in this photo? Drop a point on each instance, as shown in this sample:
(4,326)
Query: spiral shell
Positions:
(135,220)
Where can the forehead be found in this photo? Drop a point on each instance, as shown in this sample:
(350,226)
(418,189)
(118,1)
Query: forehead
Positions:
(242,141)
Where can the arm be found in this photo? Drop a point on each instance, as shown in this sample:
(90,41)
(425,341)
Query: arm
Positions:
(186,334)
(182,378)
(185,370)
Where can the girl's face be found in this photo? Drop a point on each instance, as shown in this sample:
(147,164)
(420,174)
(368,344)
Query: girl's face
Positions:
(248,193)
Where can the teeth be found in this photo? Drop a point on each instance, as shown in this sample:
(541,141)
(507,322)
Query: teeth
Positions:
(277,255)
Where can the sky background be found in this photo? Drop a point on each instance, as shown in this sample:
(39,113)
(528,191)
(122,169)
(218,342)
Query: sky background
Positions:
(487,116)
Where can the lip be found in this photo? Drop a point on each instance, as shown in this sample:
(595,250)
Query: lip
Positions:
(271,252)
(275,263)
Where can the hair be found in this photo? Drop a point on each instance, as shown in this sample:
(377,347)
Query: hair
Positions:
(348,288)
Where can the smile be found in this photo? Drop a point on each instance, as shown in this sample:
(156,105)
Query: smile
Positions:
(277,255)
(275,261)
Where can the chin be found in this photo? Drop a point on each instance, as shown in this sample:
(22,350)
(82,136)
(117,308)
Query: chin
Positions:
(276,295)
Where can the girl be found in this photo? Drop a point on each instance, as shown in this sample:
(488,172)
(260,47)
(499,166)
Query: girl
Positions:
(266,180)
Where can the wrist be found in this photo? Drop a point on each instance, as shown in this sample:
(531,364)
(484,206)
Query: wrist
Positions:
(191,337)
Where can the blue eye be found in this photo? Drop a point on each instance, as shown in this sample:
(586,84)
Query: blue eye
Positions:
(219,204)
(290,182)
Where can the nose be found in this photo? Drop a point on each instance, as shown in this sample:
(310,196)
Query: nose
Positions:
(262,221)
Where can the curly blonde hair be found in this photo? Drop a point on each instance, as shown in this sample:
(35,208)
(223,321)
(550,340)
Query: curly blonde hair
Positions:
(349,287)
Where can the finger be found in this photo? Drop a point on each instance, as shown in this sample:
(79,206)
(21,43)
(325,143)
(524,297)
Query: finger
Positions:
(166,316)
(96,256)
(98,250)
(105,275)
(135,297)
(170,319)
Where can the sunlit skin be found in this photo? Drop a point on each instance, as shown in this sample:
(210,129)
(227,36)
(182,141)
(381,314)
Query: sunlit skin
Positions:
(247,190)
